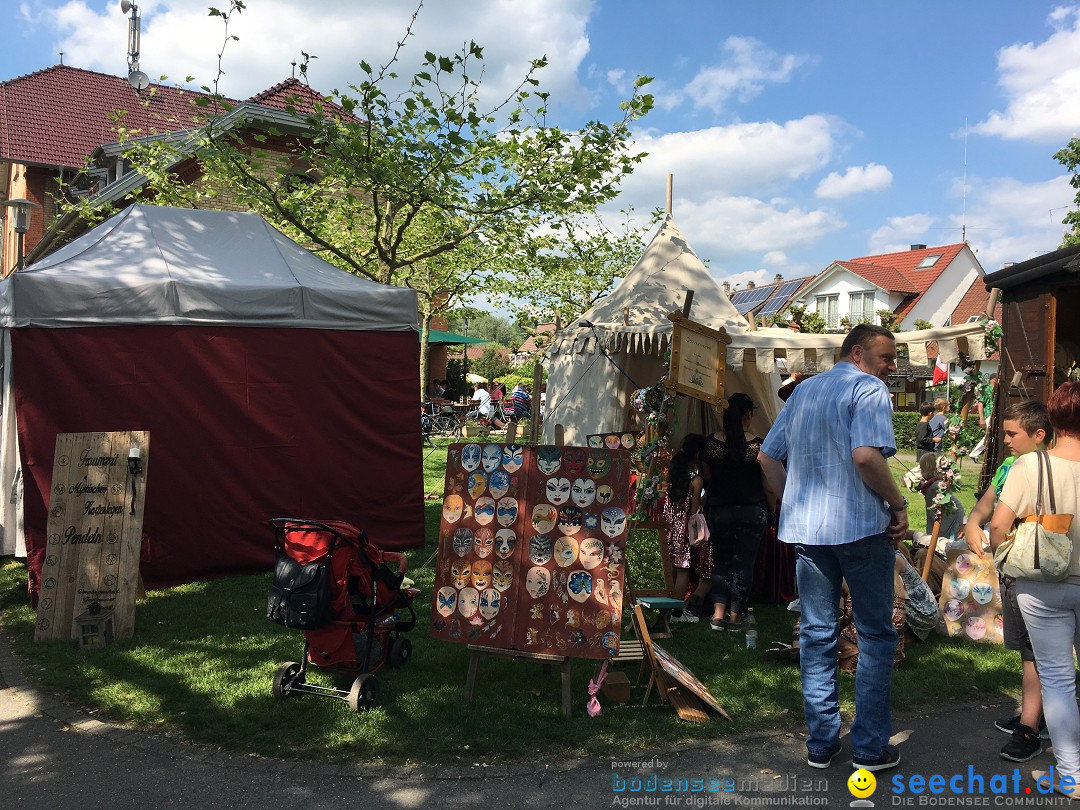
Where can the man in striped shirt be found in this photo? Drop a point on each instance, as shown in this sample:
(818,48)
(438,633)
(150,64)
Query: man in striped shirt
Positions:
(842,511)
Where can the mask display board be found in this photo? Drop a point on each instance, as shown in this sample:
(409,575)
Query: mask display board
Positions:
(532,548)
(970,599)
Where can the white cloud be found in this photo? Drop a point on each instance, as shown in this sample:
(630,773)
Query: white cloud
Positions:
(855,180)
(900,233)
(179,39)
(1042,84)
(747,67)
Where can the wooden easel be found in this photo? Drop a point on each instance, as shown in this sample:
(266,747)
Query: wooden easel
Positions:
(687,706)
(517,655)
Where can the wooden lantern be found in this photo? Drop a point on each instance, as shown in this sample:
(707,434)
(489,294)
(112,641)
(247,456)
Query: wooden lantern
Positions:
(95,627)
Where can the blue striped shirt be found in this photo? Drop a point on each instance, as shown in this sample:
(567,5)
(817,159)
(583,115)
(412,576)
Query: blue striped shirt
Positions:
(826,502)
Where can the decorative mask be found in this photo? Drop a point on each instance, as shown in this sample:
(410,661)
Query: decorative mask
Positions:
(611,643)
(537,582)
(569,520)
(470,457)
(573,461)
(468,602)
(558,490)
(583,491)
(982,592)
(512,456)
(500,483)
(481,574)
(463,541)
(539,549)
(599,588)
(615,595)
(452,508)
(565,551)
(591,553)
(491,457)
(580,585)
(489,603)
(598,462)
(627,441)
(508,511)
(975,628)
(460,571)
(446,600)
(604,494)
(477,484)
(612,521)
(954,610)
(549,459)
(611,442)
(544,517)
(502,575)
(505,541)
(482,542)
(596,441)
(959,588)
(484,510)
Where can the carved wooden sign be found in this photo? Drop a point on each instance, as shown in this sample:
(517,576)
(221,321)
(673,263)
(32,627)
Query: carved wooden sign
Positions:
(94,531)
(698,360)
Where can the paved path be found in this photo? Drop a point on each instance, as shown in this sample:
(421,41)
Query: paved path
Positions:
(54,756)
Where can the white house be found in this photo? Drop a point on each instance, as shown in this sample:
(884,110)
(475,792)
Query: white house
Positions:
(920,283)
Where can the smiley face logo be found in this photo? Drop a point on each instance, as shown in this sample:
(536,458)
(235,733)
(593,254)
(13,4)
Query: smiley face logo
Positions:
(861,783)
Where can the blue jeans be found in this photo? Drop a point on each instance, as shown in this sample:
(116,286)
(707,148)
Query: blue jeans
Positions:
(867,566)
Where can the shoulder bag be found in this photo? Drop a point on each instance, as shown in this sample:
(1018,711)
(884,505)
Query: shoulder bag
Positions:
(697,529)
(1038,547)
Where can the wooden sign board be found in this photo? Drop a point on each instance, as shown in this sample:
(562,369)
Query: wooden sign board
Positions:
(94,532)
(698,360)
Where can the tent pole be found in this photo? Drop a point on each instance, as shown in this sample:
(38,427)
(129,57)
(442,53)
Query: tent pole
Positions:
(670,182)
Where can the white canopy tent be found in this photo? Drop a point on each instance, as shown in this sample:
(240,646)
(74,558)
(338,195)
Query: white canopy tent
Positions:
(619,345)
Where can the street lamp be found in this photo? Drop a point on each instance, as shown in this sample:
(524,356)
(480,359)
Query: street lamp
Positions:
(21,223)
(465,353)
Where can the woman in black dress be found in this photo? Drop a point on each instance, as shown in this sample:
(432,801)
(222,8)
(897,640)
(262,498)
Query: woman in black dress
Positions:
(739,510)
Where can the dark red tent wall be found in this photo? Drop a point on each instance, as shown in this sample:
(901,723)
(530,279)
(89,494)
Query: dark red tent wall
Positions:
(245,424)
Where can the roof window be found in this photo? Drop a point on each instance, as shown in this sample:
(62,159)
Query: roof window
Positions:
(928,261)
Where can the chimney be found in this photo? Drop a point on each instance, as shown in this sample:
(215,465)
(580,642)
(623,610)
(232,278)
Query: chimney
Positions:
(750,285)
(778,278)
(918,247)
(727,288)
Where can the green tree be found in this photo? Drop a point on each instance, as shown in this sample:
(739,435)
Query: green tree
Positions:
(888,319)
(920,323)
(1069,157)
(425,187)
(807,320)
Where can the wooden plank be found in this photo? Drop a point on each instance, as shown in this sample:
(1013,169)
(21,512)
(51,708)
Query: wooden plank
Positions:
(686,705)
(94,533)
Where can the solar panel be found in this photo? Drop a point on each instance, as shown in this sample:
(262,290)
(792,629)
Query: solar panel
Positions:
(746,300)
(781,297)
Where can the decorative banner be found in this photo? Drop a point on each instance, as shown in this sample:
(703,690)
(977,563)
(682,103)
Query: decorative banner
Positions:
(532,548)
(94,532)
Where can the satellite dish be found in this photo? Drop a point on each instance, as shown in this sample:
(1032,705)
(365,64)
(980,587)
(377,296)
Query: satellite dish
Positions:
(126,6)
(137,79)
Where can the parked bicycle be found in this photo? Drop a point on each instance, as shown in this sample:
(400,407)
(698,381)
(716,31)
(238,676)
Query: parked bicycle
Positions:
(439,421)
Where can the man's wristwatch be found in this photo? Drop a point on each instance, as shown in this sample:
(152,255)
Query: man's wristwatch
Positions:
(899,508)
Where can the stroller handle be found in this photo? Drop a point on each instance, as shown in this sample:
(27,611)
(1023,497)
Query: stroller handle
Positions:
(399,558)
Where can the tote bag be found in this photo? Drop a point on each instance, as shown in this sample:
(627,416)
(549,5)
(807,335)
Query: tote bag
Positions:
(1038,547)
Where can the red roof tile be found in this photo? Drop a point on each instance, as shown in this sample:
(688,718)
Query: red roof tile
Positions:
(295,92)
(59,115)
(904,263)
(974,303)
(887,278)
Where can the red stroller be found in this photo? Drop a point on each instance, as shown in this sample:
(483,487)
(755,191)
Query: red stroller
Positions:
(333,584)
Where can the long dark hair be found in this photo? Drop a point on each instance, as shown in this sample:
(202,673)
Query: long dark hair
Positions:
(679,469)
(734,440)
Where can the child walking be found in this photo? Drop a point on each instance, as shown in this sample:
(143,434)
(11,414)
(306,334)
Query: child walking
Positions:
(685,485)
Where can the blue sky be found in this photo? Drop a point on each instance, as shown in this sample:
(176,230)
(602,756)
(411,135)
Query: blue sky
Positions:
(797,132)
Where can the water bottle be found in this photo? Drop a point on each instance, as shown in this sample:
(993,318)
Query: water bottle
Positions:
(751,630)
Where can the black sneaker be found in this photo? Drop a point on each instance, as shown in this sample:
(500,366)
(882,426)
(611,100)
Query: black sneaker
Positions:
(1024,745)
(1010,725)
(822,760)
(736,626)
(718,624)
(889,758)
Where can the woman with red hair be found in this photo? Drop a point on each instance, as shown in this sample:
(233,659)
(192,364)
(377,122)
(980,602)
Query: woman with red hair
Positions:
(1052,609)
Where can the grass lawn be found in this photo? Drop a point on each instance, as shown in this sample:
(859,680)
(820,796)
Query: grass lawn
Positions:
(203,656)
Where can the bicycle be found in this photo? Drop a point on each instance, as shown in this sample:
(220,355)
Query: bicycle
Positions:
(441,423)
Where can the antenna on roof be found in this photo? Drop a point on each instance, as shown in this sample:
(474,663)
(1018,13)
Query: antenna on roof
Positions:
(294,68)
(136,78)
(963,217)
(61,57)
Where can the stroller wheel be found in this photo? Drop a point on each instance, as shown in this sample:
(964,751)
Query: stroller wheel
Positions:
(400,652)
(364,693)
(285,678)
